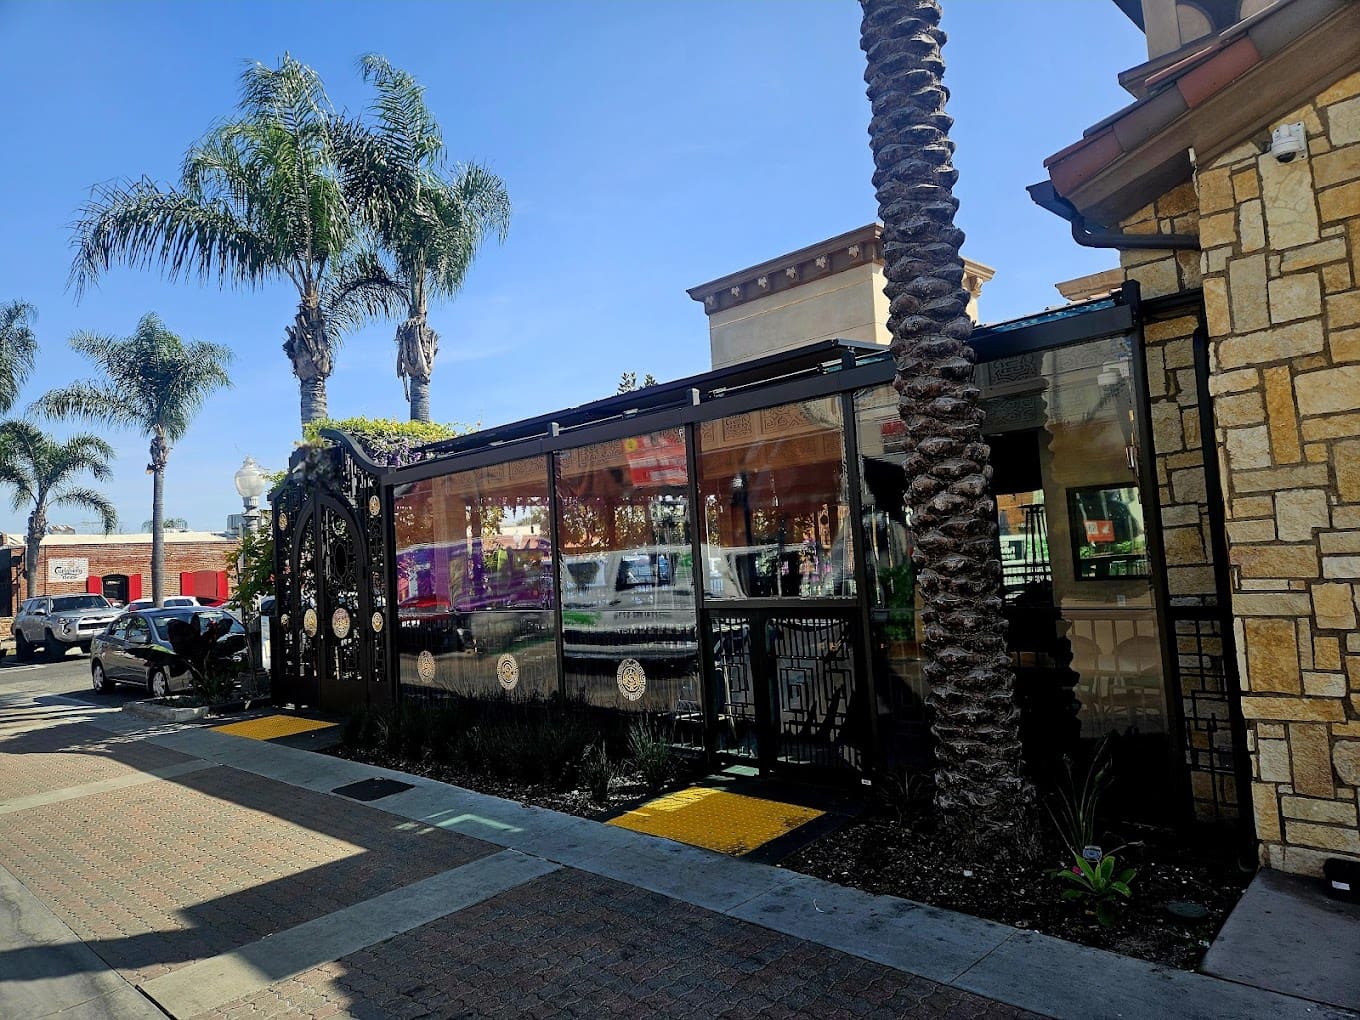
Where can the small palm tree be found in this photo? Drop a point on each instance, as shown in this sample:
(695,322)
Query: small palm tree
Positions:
(151,381)
(18,348)
(430,220)
(259,199)
(42,471)
(979,781)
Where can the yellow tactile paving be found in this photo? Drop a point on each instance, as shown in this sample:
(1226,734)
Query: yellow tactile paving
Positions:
(729,823)
(269,727)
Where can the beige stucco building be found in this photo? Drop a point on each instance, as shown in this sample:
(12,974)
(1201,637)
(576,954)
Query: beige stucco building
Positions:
(830,290)
(1232,187)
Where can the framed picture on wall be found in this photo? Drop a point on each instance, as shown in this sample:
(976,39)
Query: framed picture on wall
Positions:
(1109,540)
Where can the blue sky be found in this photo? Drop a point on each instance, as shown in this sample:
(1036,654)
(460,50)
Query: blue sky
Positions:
(647,147)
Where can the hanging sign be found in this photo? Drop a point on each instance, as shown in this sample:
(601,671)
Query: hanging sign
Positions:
(655,461)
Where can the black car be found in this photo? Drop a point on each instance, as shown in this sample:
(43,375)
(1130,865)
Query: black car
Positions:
(154,648)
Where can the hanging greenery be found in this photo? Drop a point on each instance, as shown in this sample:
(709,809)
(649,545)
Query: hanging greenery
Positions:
(388,442)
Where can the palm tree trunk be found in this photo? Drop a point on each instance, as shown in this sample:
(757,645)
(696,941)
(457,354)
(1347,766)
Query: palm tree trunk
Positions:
(980,788)
(309,350)
(37,526)
(417,345)
(160,453)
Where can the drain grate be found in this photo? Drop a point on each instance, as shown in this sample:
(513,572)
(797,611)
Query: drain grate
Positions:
(372,789)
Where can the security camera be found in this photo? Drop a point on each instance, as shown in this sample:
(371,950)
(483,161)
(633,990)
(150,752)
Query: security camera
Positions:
(1288,141)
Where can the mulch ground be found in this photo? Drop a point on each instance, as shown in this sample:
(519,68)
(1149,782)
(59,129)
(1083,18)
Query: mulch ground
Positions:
(886,852)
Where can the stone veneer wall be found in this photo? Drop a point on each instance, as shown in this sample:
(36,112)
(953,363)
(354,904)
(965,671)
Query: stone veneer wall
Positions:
(1280,269)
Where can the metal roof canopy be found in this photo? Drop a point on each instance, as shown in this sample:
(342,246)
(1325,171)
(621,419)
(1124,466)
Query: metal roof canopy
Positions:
(854,361)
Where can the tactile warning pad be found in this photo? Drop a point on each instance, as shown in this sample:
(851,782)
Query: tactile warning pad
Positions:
(269,727)
(729,823)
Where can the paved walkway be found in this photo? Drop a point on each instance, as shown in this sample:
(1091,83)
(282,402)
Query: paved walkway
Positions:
(213,875)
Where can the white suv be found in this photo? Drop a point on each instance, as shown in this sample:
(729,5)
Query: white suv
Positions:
(55,623)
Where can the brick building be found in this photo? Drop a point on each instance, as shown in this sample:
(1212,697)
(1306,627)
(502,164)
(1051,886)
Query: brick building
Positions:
(1231,187)
(119,566)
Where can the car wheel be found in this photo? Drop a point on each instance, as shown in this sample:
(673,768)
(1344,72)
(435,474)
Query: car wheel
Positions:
(53,648)
(23,651)
(160,684)
(99,678)
(85,648)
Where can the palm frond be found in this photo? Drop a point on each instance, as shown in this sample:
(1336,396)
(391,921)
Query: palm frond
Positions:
(18,349)
(87,499)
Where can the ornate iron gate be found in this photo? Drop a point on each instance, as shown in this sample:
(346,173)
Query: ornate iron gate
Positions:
(330,560)
(785,688)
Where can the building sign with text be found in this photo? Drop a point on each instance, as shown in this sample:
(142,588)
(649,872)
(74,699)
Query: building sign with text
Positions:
(68,569)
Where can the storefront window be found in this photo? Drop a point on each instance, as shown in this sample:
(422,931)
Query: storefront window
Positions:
(775,511)
(627,577)
(475,583)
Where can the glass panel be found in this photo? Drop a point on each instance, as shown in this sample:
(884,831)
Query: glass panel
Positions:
(1084,630)
(475,584)
(773,487)
(900,689)
(627,577)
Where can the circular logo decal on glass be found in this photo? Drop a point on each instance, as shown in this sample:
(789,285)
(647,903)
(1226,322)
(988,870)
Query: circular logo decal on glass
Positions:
(377,623)
(283,620)
(507,671)
(632,679)
(425,665)
(283,520)
(374,506)
(340,623)
(309,622)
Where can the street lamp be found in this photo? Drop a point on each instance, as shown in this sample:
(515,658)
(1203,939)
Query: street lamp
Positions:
(249,485)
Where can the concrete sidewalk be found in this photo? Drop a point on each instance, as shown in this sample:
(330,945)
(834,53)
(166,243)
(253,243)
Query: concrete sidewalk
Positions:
(477,905)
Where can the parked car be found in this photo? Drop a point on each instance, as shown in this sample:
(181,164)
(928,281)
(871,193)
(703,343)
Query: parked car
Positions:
(169,602)
(153,647)
(56,623)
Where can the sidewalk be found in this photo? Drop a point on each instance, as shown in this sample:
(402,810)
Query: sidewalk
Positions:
(276,896)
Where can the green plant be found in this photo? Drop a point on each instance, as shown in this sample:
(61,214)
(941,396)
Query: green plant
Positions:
(1077,810)
(1097,884)
(597,773)
(385,440)
(650,752)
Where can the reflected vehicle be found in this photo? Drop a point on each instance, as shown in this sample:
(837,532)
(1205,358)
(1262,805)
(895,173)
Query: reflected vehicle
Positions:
(636,603)
(153,648)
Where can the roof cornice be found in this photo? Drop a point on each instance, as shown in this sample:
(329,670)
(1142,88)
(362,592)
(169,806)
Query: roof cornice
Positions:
(854,248)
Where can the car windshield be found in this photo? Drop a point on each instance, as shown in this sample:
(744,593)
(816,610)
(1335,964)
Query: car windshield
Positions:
(66,603)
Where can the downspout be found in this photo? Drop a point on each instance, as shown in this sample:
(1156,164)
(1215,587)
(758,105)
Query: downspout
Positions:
(1047,197)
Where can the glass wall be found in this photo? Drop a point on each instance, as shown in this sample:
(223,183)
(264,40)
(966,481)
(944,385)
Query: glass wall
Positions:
(627,576)
(475,583)
(895,623)
(1079,594)
(772,483)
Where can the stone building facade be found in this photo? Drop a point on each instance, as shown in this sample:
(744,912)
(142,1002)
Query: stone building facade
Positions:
(1263,243)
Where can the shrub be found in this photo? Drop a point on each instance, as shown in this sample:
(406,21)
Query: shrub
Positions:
(1098,884)
(597,773)
(651,754)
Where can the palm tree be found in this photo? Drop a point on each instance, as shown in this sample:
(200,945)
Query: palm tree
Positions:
(41,471)
(980,788)
(18,348)
(259,199)
(151,381)
(429,219)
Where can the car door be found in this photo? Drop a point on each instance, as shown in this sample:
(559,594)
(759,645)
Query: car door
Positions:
(111,654)
(136,650)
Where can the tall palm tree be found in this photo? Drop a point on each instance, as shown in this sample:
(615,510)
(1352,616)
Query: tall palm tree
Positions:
(258,199)
(429,219)
(42,471)
(151,381)
(979,778)
(18,348)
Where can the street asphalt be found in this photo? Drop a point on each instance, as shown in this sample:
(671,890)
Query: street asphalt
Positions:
(148,870)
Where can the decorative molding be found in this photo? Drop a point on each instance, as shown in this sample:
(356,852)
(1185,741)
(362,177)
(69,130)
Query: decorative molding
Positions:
(823,261)
(763,282)
(853,251)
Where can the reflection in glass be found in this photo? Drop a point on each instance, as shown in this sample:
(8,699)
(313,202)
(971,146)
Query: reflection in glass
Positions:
(895,636)
(1079,600)
(475,583)
(772,483)
(627,577)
